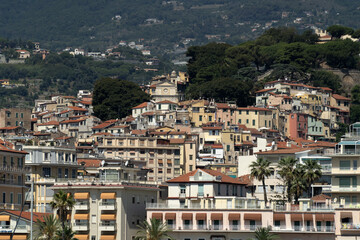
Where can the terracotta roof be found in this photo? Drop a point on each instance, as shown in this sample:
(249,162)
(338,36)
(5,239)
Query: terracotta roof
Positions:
(89,162)
(217,146)
(224,178)
(166,102)
(49,123)
(246,179)
(129,119)
(5,149)
(72,121)
(282,151)
(34,119)
(102,133)
(320,198)
(322,144)
(120,126)
(177,141)
(339,97)
(85,102)
(138,132)
(142,105)
(148,114)
(254,131)
(212,128)
(326,89)
(9,128)
(104,124)
(78,109)
(41,134)
(27,215)
(253,109)
(222,105)
(71,97)
(242,126)
(265,90)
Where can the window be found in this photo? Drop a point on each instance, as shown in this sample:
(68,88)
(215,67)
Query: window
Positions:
(200,118)
(19,198)
(46,172)
(354,164)
(344,182)
(73,173)
(247,121)
(182,189)
(59,173)
(277,223)
(345,165)
(227,147)
(66,173)
(4,197)
(11,197)
(190,167)
(176,161)
(190,157)
(17,115)
(191,146)
(210,118)
(201,190)
(253,122)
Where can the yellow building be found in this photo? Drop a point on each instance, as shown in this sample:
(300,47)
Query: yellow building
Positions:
(12,178)
(254,117)
(200,112)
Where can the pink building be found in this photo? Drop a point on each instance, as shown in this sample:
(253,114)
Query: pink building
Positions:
(297,125)
(225,113)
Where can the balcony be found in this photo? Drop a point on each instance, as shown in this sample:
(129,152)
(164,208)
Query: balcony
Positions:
(81,205)
(19,228)
(251,227)
(81,226)
(107,227)
(216,227)
(350,227)
(107,206)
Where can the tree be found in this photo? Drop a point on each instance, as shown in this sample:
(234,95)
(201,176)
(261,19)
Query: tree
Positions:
(263,233)
(114,98)
(337,31)
(260,169)
(63,203)
(312,172)
(325,79)
(65,234)
(47,228)
(155,230)
(286,172)
(298,183)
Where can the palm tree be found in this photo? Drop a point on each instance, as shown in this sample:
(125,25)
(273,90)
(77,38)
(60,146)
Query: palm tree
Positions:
(263,233)
(286,172)
(48,228)
(312,173)
(298,184)
(260,169)
(68,234)
(63,202)
(155,230)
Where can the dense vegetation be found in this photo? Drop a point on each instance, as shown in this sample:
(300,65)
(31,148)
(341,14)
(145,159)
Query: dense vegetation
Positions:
(114,98)
(92,23)
(217,70)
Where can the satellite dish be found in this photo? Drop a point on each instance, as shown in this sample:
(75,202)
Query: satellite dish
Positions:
(126,163)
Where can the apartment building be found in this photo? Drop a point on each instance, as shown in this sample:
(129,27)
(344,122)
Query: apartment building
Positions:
(108,208)
(253,117)
(12,178)
(208,205)
(165,160)
(45,166)
(200,111)
(345,171)
(12,117)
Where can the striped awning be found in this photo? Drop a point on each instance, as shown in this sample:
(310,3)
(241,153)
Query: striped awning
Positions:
(81,196)
(157,216)
(20,237)
(309,217)
(186,216)
(252,216)
(279,216)
(5,237)
(234,216)
(107,237)
(216,216)
(346,214)
(170,216)
(108,217)
(296,217)
(108,195)
(201,216)
(81,236)
(4,218)
(81,216)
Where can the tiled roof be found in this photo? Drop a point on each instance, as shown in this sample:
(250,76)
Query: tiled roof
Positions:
(27,215)
(138,132)
(63,138)
(142,105)
(246,179)
(89,162)
(105,124)
(72,121)
(177,141)
(282,151)
(9,128)
(5,149)
(78,109)
(212,128)
(265,90)
(339,97)
(222,105)
(254,131)
(326,89)
(148,114)
(49,123)
(253,109)
(320,198)
(217,146)
(224,178)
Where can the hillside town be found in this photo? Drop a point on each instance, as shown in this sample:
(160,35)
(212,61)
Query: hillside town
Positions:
(188,163)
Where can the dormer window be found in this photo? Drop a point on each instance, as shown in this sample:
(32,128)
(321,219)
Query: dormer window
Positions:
(200,173)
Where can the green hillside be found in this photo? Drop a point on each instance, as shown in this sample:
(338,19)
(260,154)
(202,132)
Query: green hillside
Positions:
(96,24)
